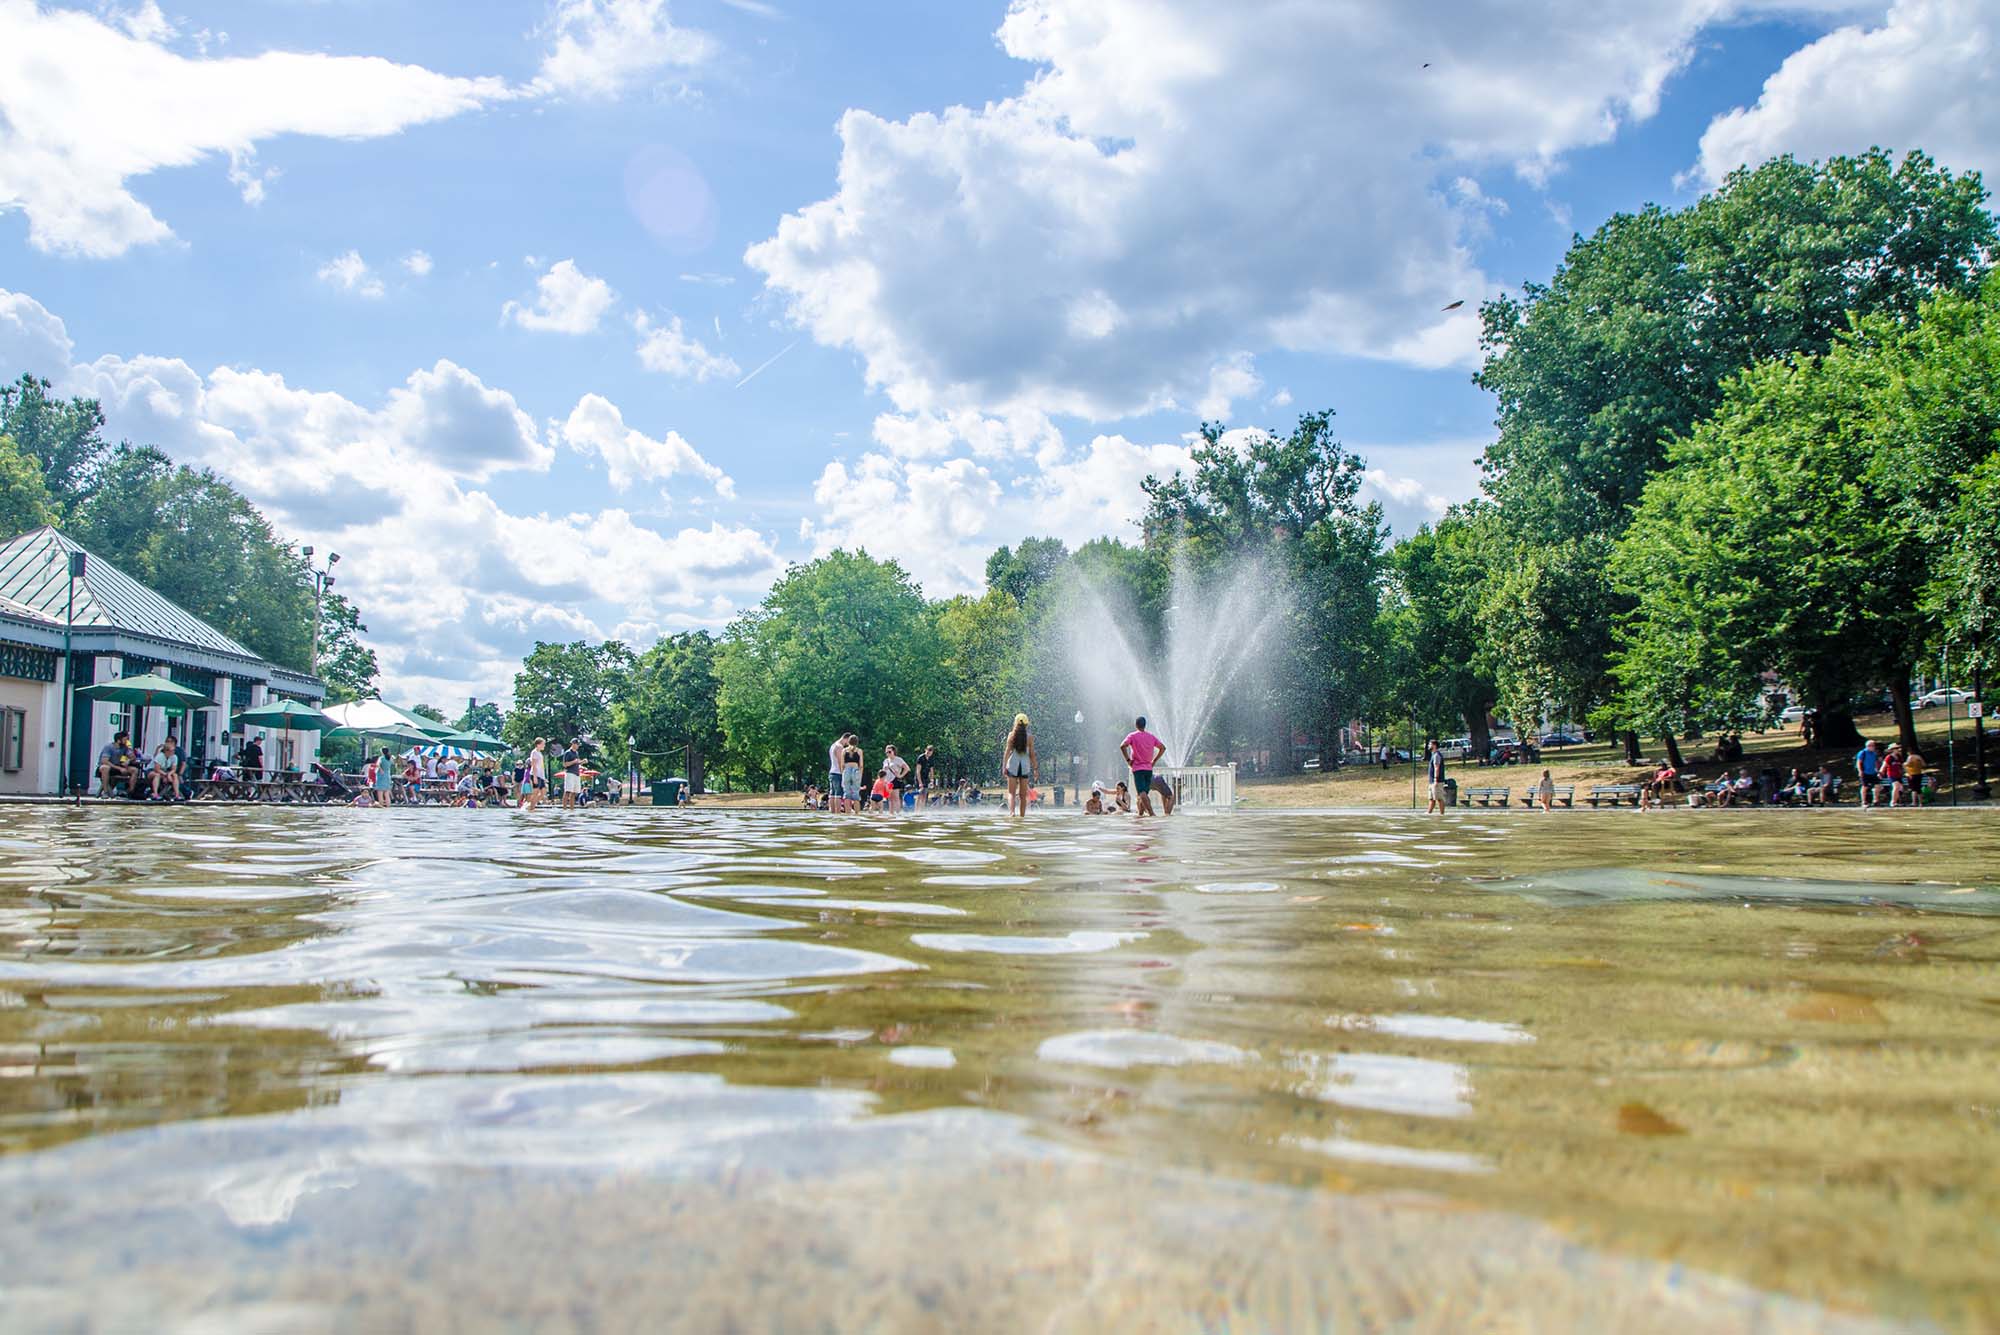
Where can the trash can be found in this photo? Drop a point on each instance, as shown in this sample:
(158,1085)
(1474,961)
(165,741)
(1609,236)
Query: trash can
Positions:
(667,792)
(1451,792)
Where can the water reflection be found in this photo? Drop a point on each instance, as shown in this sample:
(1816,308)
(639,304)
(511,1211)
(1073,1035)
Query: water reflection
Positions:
(1280,1016)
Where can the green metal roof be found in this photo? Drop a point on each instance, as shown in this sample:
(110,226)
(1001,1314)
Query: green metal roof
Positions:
(34,572)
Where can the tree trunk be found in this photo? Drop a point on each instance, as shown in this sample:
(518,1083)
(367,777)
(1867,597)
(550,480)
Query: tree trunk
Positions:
(1673,751)
(1631,747)
(1837,730)
(1906,720)
(1476,729)
(697,765)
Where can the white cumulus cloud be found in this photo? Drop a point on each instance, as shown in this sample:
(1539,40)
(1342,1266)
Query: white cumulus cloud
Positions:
(1920,77)
(88,103)
(669,349)
(602,47)
(418,264)
(351,273)
(567,301)
(596,427)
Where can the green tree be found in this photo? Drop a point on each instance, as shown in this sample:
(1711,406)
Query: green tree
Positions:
(431,712)
(24,497)
(64,436)
(980,670)
(1964,595)
(1546,613)
(1628,346)
(1022,571)
(346,665)
(567,690)
(844,643)
(1292,501)
(1442,664)
(670,706)
(481,716)
(195,539)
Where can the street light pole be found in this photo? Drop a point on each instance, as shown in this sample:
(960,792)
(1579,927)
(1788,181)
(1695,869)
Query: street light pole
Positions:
(631,769)
(322,581)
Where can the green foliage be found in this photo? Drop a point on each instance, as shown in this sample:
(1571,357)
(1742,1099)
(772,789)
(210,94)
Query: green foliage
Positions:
(1628,346)
(1803,528)
(24,497)
(484,716)
(1020,573)
(1964,595)
(346,664)
(195,539)
(63,436)
(670,706)
(845,643)
(1293,501)
(1547,613)
(1443,662)
(981,670)
(431,712)
(567,690)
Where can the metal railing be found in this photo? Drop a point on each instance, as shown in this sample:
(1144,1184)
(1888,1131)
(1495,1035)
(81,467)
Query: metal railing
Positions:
(1202,785)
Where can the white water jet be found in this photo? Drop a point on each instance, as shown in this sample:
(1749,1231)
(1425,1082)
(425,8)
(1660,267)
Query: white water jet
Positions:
(1216,628)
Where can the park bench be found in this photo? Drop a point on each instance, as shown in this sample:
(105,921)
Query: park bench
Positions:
(1615,794)
(1565,795)
(1484,797)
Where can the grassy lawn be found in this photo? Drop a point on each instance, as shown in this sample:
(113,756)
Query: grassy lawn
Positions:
(1605,763)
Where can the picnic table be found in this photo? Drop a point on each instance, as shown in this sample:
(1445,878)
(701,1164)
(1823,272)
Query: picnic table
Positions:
(236,788)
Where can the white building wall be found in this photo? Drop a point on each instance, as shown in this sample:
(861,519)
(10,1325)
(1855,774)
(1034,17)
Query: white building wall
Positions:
(32,699)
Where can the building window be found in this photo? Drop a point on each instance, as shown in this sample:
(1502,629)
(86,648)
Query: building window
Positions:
(13,739)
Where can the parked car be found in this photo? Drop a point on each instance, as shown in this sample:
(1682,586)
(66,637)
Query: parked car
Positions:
(1561,739)
(1792,714)
(1949,695)
(1456,748)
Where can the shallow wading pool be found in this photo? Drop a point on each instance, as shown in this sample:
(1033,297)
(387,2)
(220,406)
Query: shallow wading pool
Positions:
(302,1070)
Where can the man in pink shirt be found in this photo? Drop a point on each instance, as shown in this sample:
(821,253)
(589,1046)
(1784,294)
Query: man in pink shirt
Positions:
(1142,750)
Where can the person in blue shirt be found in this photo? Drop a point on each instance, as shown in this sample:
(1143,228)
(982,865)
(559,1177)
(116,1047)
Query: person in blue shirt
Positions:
(1867,766)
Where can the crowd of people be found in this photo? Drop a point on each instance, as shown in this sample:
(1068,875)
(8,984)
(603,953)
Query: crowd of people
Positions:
(900,784)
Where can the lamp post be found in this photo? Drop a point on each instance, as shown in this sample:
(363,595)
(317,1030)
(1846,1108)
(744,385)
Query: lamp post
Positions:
(322,581)
(1076,758)
(78,567)
(631,769)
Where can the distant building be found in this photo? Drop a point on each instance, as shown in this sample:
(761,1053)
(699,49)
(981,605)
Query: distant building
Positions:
(119,628)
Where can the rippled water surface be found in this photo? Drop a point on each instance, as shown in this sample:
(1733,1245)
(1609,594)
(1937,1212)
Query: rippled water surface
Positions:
(325,1069)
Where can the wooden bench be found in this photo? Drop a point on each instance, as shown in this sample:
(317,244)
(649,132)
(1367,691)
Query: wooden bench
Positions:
(1484,797)
(1615,794)
(1565,795)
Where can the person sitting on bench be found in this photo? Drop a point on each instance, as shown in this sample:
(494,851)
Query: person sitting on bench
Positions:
(166,772)
(118,763)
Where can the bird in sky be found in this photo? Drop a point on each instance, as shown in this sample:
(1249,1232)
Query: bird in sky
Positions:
(1454,305)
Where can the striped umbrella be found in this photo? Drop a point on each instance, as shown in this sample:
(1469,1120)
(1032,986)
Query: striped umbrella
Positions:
(441,750)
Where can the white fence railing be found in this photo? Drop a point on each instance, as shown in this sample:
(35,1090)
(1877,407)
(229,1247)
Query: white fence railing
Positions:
(1201,785)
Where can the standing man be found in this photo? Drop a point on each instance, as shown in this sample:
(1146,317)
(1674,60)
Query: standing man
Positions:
(1141,751)
(926,775)
(572,774)
(1867,767)
(1434,766)
(835,802)
(253,759)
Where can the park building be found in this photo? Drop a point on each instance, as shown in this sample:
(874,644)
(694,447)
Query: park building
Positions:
(117,628)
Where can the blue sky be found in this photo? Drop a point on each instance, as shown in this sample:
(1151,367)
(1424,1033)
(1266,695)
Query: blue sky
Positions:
(585,317)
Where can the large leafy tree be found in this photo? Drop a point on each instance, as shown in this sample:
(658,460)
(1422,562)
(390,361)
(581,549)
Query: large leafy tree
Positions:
(1292,501)
(1628,346)
(64,436)
(843,643)
(198,541)
(1027,568)
(1443,663)
(481,716)
(981,668)
(1802,527)
(670,707)
(24,497)
(567,690)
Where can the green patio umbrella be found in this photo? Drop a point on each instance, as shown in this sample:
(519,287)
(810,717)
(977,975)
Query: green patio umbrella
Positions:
(287,716)
(148,691)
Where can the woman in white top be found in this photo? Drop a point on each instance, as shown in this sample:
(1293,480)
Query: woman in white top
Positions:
(536,780)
